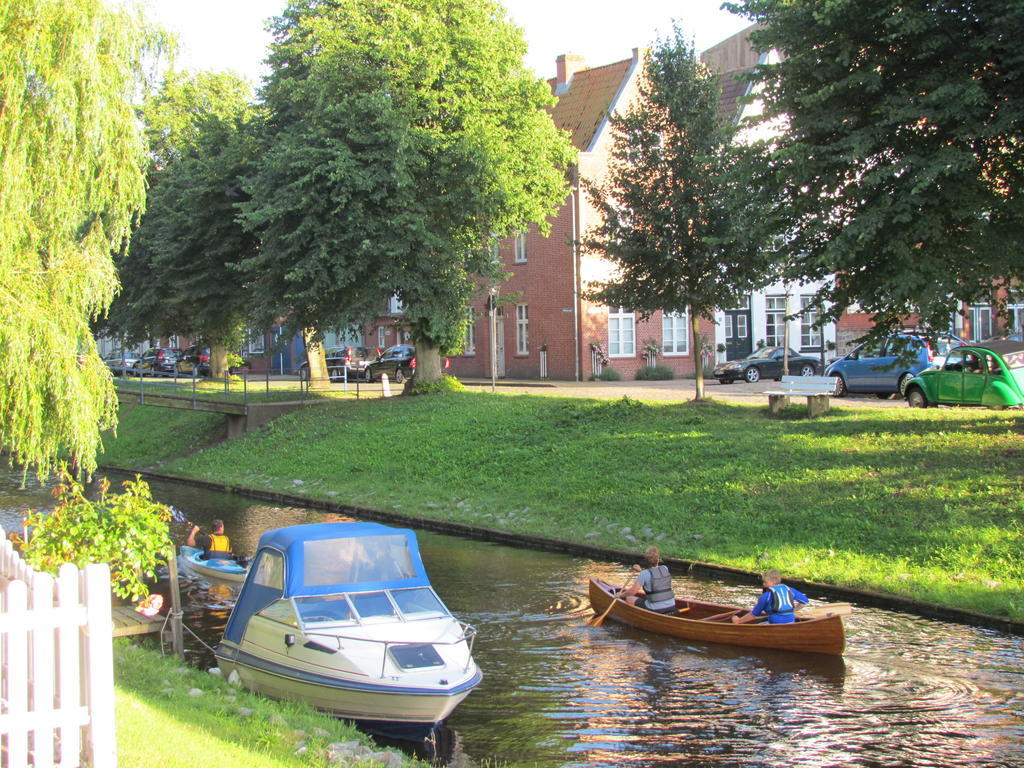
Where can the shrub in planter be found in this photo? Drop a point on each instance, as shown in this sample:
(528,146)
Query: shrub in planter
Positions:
(609,374)
(655,373)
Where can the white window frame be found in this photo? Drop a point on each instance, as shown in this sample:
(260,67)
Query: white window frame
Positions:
(977,311)
(1016,318)
(522,329)
(774,320)
(256,342)
(469,343)
(382,336)
(520,249)
(810,333)
(675,334)
(621,333)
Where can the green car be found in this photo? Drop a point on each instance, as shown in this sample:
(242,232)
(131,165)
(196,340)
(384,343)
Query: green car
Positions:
(987,374)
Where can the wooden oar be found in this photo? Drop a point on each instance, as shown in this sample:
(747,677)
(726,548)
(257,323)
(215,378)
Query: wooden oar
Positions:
(821,611)
(597,621)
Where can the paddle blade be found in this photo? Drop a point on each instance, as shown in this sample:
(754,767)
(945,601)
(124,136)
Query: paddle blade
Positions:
(828,609)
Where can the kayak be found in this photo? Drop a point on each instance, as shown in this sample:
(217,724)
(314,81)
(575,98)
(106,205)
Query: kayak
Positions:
(711,623)
(222,568)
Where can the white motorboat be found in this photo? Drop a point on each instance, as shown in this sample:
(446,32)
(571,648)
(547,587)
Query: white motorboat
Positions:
(343,616)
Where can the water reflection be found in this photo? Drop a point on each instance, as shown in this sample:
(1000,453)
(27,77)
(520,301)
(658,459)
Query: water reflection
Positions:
(556,692)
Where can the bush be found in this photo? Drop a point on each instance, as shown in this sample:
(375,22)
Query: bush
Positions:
(444,384)
(128,531)
(655,373)
(609,374)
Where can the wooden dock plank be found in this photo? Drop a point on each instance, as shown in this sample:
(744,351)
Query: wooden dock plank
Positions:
(127,621)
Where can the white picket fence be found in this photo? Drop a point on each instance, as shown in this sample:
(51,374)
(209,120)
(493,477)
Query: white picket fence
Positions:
(57,689)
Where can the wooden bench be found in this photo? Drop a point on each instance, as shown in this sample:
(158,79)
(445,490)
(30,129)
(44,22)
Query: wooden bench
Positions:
(817,390)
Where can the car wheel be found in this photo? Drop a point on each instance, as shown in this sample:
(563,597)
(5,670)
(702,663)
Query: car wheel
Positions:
(806,369)
(916,398)
(303,375)
(752,374)
(841,390)
(904,381)
(399,378)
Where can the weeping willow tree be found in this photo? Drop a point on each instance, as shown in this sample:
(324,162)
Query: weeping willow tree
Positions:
(72,160)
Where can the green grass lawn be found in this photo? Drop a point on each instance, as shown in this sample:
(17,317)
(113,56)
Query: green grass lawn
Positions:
(173,716)
(920,503)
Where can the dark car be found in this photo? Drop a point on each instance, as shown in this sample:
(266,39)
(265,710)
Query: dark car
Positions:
(984,374)
(886,366)
(766,363)
(194,359)
(398,362)
(342,363)
(157,360)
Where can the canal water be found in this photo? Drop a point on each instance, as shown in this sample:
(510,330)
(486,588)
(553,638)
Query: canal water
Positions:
(558,693)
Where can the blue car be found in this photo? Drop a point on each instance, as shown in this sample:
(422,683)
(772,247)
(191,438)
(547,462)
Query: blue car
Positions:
(885,366)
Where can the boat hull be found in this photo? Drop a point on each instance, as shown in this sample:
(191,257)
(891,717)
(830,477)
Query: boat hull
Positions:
(393,710)
(824,635)
(222,568)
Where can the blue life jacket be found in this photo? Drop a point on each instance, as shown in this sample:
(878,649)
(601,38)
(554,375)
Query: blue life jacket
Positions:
(782,600)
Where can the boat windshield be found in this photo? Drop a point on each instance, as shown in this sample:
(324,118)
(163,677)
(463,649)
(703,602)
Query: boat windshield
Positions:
(373,606)
(357,560)
(418,603)
(325,609)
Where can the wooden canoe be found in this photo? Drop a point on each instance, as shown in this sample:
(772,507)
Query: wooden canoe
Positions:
(825,635)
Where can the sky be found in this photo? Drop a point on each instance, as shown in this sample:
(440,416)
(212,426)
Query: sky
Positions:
(228,34)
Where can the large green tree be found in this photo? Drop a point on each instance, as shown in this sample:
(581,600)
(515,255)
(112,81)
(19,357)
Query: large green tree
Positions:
(900,171)
(673,214)
(72,161)
(181,273)
(402,136)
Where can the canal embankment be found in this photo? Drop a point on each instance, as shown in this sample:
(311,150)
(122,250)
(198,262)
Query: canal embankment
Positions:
(913,510)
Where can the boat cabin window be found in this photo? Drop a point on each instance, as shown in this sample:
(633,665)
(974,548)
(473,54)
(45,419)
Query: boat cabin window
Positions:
(418,603)
(323,609)
(282,611)
(373,605)
(269,571)
(357,560)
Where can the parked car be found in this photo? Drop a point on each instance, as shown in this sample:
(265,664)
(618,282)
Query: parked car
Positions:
(157,360)
(398,362)
(885,366)
(194,359)
(342,362)
(984,374)
(766,363)
(118,362)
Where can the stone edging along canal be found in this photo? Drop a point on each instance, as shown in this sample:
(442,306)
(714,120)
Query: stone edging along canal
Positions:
(865,597)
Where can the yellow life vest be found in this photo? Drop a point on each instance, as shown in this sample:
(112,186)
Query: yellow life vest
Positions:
(219,543)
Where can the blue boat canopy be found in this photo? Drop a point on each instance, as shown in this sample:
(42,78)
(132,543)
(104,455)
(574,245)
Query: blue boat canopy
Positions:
(328,558)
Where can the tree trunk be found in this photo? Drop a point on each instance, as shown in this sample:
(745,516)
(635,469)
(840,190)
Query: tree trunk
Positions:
(698,354)
(218,361)
(428,364)
(317,360)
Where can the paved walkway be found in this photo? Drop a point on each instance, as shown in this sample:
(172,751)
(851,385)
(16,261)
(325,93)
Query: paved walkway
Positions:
(674,390)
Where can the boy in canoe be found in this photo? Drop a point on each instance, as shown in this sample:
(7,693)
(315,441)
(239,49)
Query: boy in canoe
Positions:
(777,600)
(653,587)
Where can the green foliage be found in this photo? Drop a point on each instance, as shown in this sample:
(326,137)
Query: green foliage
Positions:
(444,384)
(901,167)
(126,530)
(72,160)
(655,373)
(181,274)
(670,206)
(402,136)
(609,374)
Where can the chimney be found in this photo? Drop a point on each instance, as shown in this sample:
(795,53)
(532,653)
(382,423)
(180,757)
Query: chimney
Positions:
(566,65)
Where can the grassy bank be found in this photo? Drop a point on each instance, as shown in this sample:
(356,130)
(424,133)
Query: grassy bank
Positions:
(176,717)
(921,503)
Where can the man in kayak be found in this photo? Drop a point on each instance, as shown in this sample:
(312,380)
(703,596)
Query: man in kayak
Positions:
(653,587)
(777,601)
(214,545)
